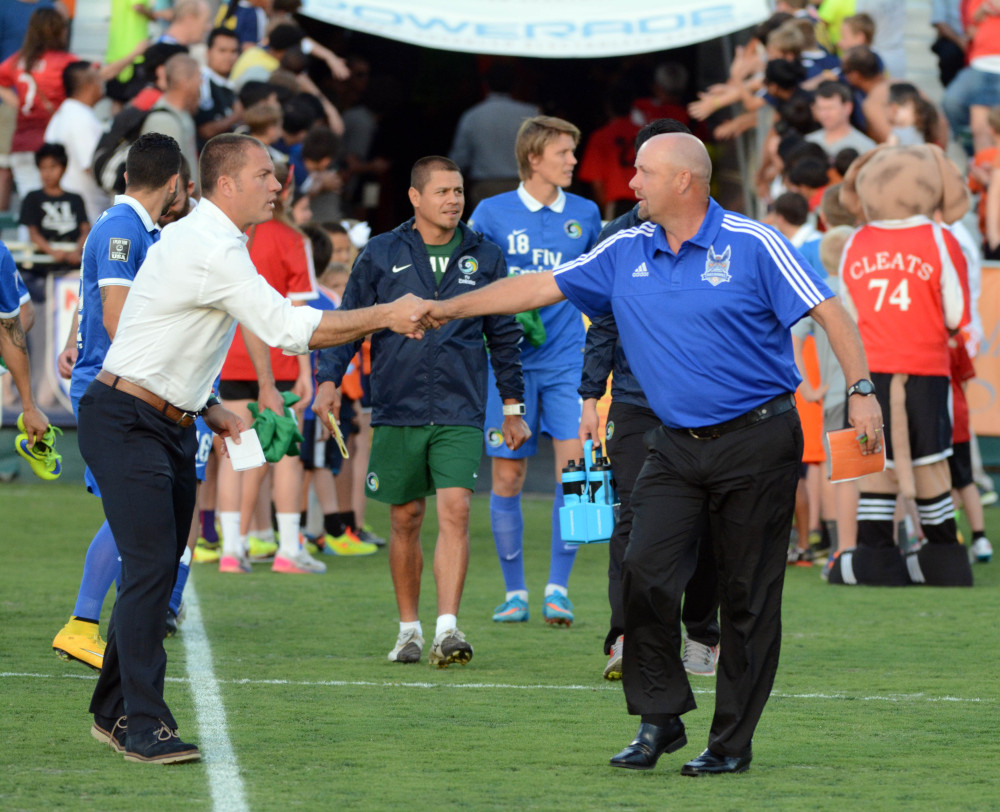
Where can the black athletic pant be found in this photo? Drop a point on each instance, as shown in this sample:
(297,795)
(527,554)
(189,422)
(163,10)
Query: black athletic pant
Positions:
(144,466)
(736,493)
(628,425)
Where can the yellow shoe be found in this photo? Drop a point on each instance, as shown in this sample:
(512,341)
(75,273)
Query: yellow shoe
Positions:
(261,550)
(80,640)
(206,553)
(42,456)
(347,544)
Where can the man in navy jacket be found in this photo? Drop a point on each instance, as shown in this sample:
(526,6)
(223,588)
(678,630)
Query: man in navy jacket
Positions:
(429,397)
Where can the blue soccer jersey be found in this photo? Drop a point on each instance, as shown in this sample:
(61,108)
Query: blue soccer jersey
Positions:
(115,249)
(537,238)
(13,293)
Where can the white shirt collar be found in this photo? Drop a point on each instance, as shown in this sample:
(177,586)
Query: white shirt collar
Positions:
(137,207)
(206,208)
(533,205)
(219,79)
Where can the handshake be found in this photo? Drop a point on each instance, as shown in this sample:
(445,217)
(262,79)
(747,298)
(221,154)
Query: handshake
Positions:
(412,316)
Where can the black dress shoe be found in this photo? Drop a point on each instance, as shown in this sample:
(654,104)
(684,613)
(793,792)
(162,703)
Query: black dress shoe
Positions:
(649,744)
(160,746)
(708,763)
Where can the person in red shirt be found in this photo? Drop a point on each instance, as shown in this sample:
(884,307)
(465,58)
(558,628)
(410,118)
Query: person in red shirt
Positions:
(609,160)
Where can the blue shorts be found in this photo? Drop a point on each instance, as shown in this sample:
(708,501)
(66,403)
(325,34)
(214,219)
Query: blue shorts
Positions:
(552,405)
(204,447)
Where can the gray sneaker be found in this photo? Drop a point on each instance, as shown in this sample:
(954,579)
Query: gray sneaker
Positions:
(409,647)
(699,659)
(613,670)
(450,647)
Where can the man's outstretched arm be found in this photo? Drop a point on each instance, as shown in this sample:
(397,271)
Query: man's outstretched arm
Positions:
(510,295)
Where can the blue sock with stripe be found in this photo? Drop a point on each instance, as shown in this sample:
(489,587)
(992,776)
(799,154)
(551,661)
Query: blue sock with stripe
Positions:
(100,570)
(183,570)
(563,555)
(508,536)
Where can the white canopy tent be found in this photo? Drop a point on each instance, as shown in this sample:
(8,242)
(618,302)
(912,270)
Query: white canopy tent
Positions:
(543,28)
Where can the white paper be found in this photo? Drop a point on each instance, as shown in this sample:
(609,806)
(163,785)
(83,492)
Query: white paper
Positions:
(248,454)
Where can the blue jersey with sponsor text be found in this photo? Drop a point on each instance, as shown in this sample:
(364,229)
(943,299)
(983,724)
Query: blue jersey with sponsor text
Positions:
(537,238)
(115,248)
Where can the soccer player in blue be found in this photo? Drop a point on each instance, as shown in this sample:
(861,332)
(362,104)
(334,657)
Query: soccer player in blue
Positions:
(538,226)
(14,347)
(115,249)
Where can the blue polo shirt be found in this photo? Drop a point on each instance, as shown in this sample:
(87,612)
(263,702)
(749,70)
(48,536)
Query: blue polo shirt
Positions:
(115,248)
(13,292)
(706,330)
(537,238)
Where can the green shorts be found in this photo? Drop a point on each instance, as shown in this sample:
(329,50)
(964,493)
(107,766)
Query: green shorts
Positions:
(411,462)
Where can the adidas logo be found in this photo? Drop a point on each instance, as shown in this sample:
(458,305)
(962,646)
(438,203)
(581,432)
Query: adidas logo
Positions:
(642,270)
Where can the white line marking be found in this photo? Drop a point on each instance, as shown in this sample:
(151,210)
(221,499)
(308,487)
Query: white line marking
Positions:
(918,697)
(228,792)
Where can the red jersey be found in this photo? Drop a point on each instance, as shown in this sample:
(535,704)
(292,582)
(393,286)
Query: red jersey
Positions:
(610,159)
(40,92)
(284,258)
(906,295)
(962,370)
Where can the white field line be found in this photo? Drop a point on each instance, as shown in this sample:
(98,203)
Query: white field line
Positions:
(499,686)
(228,793)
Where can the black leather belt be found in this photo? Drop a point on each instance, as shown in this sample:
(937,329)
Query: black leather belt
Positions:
(775,406)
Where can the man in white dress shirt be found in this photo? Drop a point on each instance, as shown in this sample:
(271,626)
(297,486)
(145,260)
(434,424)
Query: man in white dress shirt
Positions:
(136,418)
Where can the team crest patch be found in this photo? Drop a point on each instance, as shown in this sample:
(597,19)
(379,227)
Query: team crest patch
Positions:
(717,266)
(494,438)
(468,265)
(118,249)
(609,432)
(372,481)
(573,229)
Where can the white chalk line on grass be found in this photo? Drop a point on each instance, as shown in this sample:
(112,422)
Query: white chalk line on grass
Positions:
(918,697)
(228,792)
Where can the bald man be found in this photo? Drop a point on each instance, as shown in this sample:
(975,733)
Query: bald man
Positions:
(173,114)
(703,299)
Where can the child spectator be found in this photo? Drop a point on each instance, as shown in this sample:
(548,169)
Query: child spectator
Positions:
(809,177)
(914,120)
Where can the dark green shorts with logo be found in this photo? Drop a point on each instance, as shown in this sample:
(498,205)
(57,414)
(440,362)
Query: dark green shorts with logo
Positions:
(411,462)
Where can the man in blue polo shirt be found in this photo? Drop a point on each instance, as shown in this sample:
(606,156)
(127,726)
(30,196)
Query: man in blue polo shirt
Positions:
(115,249)
(538,226)
(703,299)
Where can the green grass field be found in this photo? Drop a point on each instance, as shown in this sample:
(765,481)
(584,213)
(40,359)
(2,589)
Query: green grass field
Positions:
(885,699)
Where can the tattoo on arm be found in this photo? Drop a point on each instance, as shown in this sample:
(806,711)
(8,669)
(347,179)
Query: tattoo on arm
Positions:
(15,334)
(104,295)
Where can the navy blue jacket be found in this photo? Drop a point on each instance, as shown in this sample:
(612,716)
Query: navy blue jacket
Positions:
(603,350)
(441,379)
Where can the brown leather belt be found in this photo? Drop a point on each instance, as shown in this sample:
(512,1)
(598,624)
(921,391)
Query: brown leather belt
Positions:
(169,411)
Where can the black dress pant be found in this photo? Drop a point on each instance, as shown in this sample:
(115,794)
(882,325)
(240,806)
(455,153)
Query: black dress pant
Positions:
(627,450)
(736,493)
(144,466)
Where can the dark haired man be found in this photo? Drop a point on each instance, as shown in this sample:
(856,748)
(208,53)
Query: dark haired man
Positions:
(218,110)
(136,418)
(429,398)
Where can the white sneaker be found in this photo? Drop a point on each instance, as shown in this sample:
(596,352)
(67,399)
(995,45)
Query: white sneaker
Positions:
(450,647)
(409,647)
(699,659)
(982,551)
(299,564)
(613,670)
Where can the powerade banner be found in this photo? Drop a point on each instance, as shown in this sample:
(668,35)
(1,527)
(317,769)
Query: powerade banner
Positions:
(553,28)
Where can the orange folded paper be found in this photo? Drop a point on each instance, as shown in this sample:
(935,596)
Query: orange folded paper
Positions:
(846,461)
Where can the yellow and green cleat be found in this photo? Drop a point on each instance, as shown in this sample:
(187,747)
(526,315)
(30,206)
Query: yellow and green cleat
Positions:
(41,456)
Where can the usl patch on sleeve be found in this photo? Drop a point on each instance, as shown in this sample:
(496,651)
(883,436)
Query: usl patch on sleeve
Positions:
(118,249)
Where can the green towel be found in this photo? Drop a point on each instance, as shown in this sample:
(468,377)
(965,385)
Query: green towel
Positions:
(534,329)
(279,434)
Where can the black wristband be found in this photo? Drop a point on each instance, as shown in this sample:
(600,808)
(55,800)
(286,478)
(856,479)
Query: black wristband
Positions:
(212,401)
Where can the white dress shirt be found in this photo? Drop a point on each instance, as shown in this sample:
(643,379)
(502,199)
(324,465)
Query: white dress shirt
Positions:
(78,129)
(179,318)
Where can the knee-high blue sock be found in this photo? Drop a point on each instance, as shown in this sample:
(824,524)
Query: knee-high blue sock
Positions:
(183,570)
(563,555)
(100,570)
(508,535)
